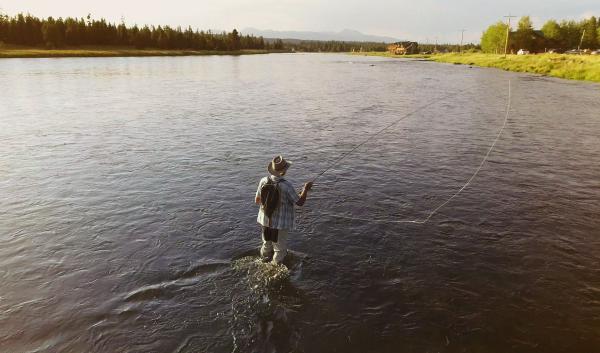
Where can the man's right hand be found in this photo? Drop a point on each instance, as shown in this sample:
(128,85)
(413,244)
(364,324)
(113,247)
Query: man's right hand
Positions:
(304,193)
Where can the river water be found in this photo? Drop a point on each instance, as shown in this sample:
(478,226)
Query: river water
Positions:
(127,215)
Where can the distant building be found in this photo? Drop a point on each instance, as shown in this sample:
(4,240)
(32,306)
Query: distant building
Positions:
(535,43)
(403,48)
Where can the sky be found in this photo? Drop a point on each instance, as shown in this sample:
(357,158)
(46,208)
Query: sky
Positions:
(419,20)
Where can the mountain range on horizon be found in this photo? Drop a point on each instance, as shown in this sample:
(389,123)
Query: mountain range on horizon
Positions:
(346,35)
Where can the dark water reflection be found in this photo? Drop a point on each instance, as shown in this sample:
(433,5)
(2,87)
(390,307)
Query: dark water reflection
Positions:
(126,192)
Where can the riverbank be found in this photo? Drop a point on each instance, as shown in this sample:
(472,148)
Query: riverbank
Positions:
(573,67)
(15,52)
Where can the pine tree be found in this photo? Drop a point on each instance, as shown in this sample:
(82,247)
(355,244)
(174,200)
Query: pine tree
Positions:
(49,33)
(590,38)
(29,30)
(234,40)
(524,37)
(571,34)
(278,44)
(3,28)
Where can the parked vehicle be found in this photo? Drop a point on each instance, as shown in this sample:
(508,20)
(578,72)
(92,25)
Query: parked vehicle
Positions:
(523,52)
(574,51)
(595,52)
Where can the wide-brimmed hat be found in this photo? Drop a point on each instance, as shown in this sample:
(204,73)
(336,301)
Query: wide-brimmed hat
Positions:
(278,166)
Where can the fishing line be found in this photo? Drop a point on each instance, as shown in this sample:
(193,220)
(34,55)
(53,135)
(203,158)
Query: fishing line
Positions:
(435,210)
(395,122)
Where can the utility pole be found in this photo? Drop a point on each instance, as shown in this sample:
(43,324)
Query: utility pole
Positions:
(581,41)
(462,37)
(507,33)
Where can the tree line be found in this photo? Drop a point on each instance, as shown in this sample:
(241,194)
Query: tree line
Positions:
(28,30)
(563,35)
(332,46)
(447,48)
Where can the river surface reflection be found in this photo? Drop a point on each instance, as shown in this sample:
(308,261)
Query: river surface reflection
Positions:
(127,191)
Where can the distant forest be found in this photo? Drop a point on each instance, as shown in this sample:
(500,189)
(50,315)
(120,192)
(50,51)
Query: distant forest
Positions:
(72,32)
(563,35)
(331,46)
(28,30)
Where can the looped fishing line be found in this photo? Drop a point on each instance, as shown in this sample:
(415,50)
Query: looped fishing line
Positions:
(343,156)
(435,210)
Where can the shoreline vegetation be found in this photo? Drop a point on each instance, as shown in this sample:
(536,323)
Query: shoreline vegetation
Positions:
(572,67)
(50,33)
(93,52)
(27,36)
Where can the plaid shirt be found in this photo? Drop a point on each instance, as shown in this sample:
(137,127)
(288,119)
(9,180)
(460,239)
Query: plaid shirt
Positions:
(283,217)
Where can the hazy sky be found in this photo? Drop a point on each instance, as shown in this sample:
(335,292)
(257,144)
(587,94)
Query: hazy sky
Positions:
(406,19)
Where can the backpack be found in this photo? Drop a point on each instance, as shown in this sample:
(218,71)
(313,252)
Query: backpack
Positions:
(269,197)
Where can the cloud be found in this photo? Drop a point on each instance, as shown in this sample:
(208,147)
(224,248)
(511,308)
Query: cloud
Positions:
(410,19)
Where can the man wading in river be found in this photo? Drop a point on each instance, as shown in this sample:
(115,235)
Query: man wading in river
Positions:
(277,197)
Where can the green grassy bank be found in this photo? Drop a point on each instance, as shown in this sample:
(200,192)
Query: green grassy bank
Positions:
(15,52)
(574,67)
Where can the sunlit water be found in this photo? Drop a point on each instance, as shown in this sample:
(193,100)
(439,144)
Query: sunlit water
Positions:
(128,224)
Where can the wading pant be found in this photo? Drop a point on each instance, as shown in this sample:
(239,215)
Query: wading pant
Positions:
(277,249)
